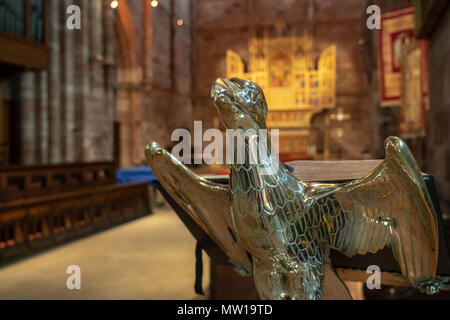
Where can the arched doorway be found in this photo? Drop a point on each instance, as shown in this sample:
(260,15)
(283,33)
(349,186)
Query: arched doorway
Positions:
(129,88)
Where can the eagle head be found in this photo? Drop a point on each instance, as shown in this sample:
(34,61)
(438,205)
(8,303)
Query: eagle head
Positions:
(240,103)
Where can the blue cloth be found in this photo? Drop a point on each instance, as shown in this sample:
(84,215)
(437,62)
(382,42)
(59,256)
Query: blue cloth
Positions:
(135,175)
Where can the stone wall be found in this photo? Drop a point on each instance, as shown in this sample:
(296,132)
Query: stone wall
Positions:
(131,65)
(66,113)
(156,98)
(169,90)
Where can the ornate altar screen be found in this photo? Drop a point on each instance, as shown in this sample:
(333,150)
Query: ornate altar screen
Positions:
(295,90)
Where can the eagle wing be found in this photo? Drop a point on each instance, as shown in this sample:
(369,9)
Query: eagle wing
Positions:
(206,202)
(388,207)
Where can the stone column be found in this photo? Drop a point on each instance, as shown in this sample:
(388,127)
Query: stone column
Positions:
(54,80)
(28,141)
(68,79)
(43,118)
(108,18)
(82,100)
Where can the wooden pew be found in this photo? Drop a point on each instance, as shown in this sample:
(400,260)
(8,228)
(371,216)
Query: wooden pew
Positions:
(33,217)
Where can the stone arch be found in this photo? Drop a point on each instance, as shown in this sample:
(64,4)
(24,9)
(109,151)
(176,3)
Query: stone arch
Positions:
(129,94)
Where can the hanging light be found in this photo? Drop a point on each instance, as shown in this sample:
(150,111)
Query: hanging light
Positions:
(114,4)
(180,22)
(154,3)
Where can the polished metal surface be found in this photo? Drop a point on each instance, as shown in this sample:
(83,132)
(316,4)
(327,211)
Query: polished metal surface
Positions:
(207,203)
(288,225)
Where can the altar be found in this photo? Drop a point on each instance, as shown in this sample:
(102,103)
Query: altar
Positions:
(296,87)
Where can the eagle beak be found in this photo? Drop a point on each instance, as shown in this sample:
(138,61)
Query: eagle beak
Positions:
(221,86)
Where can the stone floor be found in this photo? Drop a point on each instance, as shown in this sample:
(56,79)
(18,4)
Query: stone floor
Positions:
(149,258)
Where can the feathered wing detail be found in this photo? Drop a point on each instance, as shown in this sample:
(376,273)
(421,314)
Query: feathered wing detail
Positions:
(388,207)
(271,219)
(206,202)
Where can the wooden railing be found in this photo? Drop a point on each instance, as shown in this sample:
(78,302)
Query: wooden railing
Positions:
(21,182)
(36,223)
(41,206)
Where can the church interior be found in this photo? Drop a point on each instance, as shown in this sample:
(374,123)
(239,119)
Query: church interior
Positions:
(86,85)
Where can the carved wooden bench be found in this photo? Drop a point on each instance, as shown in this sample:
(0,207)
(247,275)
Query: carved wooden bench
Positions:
(20,182)
(42,206)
